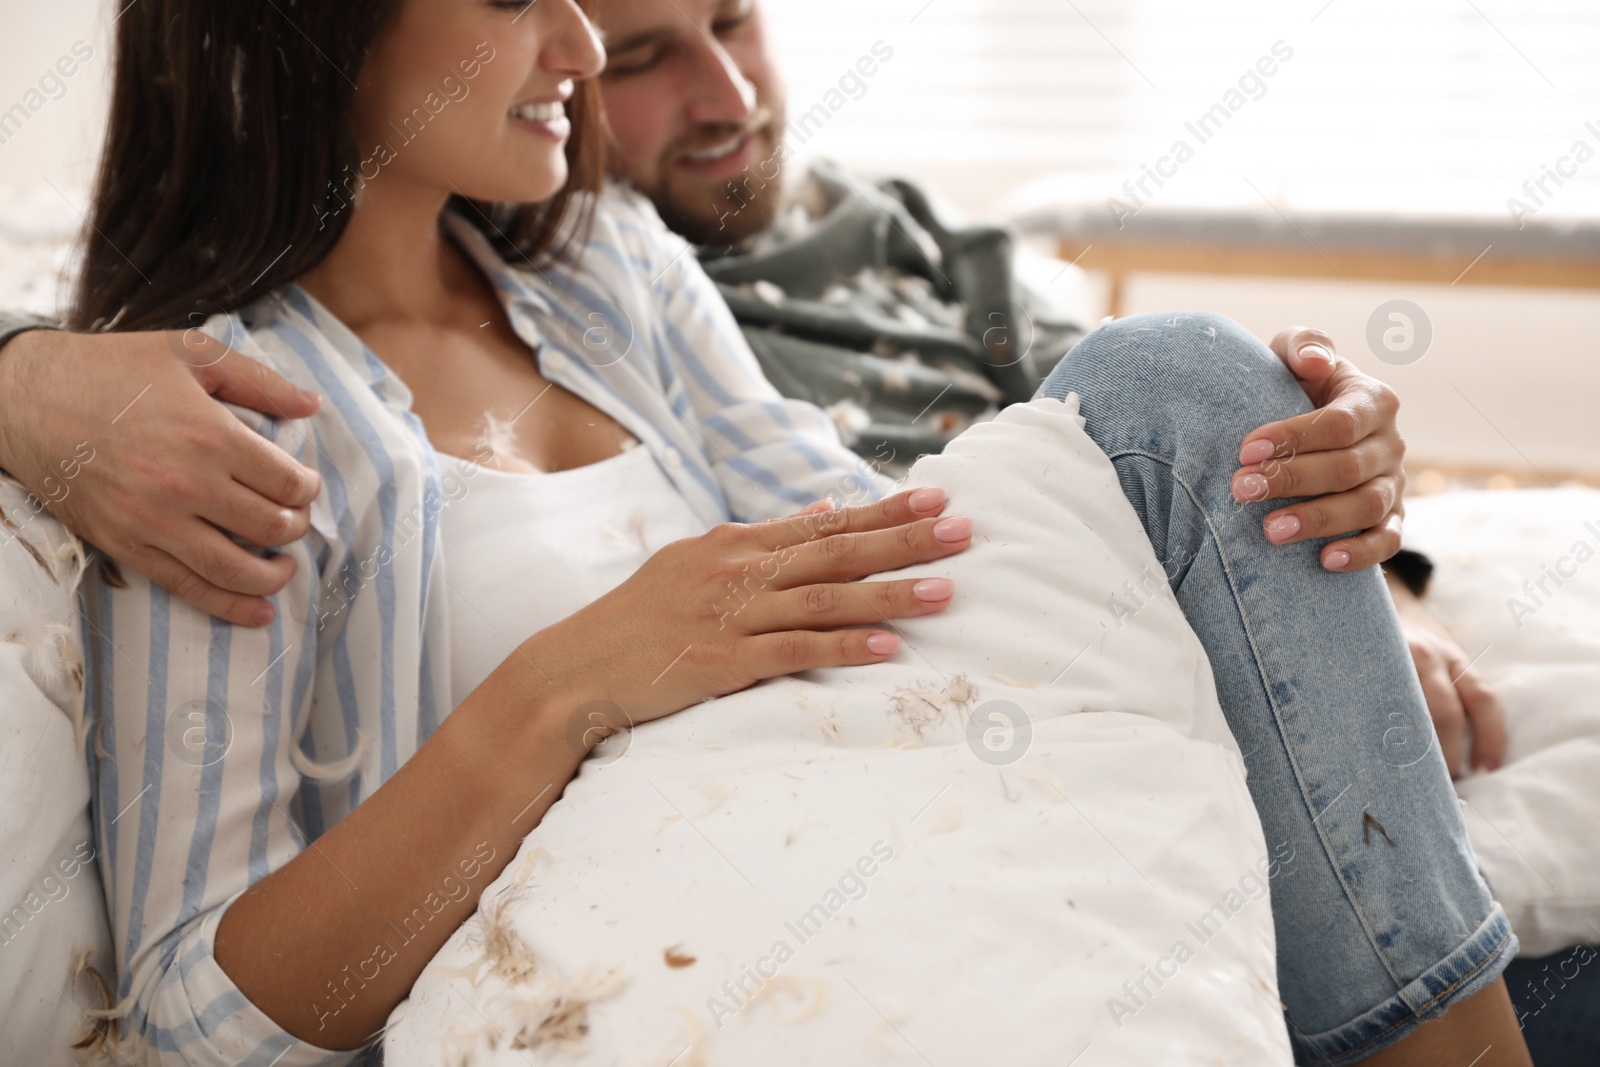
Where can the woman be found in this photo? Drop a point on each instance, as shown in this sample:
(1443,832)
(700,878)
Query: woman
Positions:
(205,723)
(223,752)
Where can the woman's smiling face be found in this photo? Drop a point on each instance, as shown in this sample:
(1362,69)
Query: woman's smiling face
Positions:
(468,96)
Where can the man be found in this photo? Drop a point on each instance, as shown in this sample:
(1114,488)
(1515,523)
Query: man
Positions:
(861,297)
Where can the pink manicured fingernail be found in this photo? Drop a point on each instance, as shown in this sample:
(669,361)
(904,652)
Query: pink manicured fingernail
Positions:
(263,616)
(882,644)
(933,589)
(1337,559)
(1256,452)
(928,498)
(1316,351)
(1250,487)
(956,528)
(1282,527)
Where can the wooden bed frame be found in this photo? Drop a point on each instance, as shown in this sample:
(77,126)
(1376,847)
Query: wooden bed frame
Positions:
(1271,243)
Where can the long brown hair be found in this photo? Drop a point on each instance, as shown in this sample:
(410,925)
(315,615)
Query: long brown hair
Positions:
(228,150)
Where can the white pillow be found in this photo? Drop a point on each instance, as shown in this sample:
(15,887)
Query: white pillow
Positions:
(1535,823)
(53,909)
(1086,880)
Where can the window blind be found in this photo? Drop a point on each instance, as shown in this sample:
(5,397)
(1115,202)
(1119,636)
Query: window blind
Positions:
(1437,106)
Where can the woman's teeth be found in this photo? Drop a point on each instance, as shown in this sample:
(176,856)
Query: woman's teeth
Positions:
(721,151)
(540,112)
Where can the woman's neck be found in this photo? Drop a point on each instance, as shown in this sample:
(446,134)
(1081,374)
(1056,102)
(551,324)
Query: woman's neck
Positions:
(393,263)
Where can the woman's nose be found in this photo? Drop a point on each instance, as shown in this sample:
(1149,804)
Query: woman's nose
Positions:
(574,47)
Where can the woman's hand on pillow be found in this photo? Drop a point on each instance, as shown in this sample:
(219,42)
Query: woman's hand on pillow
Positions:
(127,448)
(1456,693)
(711,615)
(1346,457)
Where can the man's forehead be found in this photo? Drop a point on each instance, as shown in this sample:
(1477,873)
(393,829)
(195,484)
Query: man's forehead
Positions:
(623,22)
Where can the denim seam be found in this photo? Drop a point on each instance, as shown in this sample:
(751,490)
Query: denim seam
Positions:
(1277,714)
(1417,1015)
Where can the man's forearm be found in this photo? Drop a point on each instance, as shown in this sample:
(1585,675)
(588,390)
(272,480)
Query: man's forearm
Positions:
(12,324)
(15,322)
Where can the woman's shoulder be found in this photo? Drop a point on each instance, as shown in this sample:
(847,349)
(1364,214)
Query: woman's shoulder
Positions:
(362,437)
(627,219)
(613,248)
(293,333)
(612,241)
(623,205)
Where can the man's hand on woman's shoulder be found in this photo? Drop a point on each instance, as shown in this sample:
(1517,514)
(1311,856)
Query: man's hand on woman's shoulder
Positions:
(121,438)
(1344,458)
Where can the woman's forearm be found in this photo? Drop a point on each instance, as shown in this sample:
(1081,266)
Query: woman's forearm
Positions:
(323,947)
(328,944)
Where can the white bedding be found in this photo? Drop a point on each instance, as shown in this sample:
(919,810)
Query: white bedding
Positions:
(52,910)
(1535,823)
(1089,888)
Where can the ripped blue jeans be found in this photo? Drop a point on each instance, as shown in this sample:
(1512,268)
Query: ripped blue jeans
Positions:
(1383,920)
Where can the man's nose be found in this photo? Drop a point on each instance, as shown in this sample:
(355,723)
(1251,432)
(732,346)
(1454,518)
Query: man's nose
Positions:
(720,92)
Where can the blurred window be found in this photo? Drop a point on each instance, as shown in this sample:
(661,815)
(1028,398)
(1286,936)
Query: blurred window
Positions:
(1414,105)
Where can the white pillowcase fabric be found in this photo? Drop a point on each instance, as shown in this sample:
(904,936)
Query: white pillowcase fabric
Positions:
(54,911)
(824,869)
(1517,580)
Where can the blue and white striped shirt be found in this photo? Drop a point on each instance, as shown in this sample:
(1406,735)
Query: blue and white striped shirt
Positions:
(207,737)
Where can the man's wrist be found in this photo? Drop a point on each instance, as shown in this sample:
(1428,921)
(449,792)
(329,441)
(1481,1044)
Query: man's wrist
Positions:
(16,342)
(14,325)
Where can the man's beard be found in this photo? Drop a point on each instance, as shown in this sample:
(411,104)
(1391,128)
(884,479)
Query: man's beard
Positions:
(728,212)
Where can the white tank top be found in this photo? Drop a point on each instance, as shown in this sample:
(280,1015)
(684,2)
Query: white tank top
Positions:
(523,551)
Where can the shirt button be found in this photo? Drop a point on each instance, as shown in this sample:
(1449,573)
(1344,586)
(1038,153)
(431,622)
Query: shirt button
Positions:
(674,458)
(555,361)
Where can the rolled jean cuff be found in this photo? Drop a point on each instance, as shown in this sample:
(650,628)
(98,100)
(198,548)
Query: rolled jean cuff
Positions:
(1475,963)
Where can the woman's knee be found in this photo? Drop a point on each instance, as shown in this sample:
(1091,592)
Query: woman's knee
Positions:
(1195,360)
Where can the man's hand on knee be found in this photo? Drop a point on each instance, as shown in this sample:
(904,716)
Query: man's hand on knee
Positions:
(1344,458)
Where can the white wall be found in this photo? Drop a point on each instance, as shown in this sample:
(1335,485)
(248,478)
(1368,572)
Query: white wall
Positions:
(59,142)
